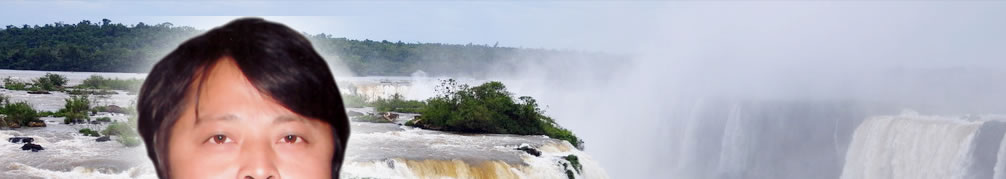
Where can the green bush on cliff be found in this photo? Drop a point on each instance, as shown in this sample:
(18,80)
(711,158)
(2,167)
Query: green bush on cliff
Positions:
(575,161)
(397,103)
(488,108)
(354,100)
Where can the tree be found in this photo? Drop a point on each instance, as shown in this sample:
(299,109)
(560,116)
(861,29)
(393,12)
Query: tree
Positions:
(50,82)
(76,109)
(20,112)
(87,46)
(109,47)
(488,108)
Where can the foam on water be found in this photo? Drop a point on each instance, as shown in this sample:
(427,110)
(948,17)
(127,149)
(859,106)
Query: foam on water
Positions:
(549,165)
(70,155)
(417,87)
(18,170)
(376,150)
(387,151)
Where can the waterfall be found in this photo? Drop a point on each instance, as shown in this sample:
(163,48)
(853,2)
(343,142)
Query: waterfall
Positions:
(381,150)
(725,138)
(917,146)
(733,155)
(549,165)
(1000,167)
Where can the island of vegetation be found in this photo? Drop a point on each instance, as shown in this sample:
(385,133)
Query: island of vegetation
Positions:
(114,47)
(486,108)
(18,114)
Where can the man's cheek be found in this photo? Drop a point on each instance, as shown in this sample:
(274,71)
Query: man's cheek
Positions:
(207,169)
(305,165)
(192,163)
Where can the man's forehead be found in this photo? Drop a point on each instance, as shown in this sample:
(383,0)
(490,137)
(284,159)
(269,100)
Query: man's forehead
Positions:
(226,94)
(232,117)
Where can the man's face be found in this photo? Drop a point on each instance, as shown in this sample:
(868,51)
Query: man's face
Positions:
(242,133)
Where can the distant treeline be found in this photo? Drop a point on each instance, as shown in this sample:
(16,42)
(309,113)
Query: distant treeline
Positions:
(87,46)
(113,47)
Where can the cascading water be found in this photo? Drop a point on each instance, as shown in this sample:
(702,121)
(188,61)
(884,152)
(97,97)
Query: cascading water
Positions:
(759,139)
(917,146)
(735,144)
(392,151)
(68,154)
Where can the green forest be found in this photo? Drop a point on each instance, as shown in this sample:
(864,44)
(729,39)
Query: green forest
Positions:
(113,47)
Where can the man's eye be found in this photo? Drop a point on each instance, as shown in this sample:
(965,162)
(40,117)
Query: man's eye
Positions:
(291,139)
(219,139)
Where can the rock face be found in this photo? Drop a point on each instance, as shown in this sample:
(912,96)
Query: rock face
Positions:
(28,145)
(20,140)
(39,92)
(32,147)
(36,124)
(390,116)
(103,139)
(74,121)
(115,109)
(13,125)
(530,150)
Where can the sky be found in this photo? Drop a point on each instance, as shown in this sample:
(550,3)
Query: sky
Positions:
(520,24)
(606,26)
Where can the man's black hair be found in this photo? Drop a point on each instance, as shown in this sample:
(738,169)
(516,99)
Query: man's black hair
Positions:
(277,60)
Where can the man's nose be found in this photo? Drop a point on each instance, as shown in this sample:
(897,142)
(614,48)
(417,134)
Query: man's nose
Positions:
(258,162)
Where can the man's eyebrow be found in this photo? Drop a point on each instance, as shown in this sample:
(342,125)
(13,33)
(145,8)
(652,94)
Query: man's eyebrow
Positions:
(228,117)
(288,118)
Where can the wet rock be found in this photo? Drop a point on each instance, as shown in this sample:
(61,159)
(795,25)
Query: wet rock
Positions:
(390,116)
(20,140)
(115,109)
(39,92)
(418,122)
(353,113)
(36,124)
(103,139)
(95,122)
(530,150)
(13,125)
(74,121)
(32,147)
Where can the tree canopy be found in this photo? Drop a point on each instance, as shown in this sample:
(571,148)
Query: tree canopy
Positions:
(114,47)
(86,46)
(488,108)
